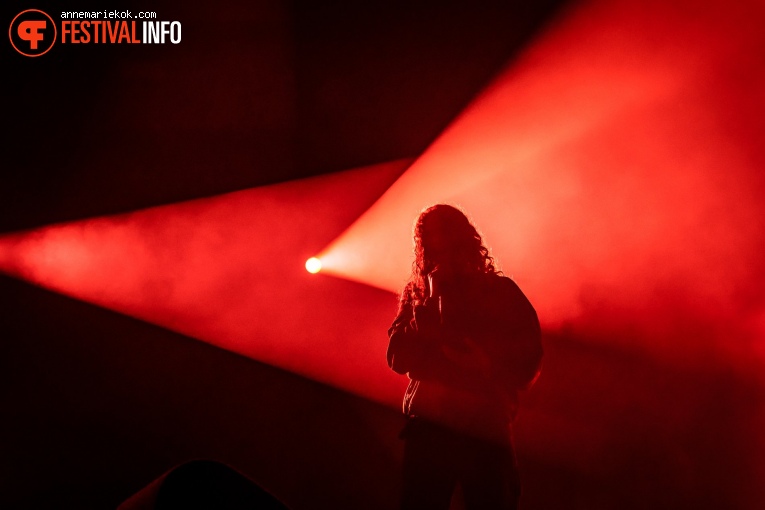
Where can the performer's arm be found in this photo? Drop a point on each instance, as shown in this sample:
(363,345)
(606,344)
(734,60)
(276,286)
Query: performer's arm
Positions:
(518,347)
(413,337)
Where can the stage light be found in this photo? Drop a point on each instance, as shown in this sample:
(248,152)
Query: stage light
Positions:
(228,270)
(313,265)
(613,175)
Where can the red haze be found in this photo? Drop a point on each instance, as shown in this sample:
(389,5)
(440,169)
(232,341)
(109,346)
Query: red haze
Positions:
(230,270)
(616,171)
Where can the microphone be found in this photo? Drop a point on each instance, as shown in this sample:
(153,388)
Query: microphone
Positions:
(434,282)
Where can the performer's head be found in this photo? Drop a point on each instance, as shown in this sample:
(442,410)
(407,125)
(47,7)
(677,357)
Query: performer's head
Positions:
(444,237)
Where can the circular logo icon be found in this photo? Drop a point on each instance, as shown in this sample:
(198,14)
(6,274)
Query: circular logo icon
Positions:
(32,33)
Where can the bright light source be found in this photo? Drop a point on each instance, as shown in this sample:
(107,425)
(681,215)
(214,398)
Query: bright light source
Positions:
(313,265)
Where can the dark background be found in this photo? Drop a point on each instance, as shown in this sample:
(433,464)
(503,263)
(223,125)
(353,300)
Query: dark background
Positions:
(94,404)
(256,93)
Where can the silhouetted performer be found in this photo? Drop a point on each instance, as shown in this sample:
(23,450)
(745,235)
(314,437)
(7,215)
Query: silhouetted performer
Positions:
(468,339)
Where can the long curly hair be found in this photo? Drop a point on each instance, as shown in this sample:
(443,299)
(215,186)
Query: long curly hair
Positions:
(459,241)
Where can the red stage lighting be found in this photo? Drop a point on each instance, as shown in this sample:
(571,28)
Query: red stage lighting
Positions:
(313,265)
(228,270)
(616,171)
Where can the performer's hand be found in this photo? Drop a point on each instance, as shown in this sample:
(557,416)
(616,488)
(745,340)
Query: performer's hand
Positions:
(444,275)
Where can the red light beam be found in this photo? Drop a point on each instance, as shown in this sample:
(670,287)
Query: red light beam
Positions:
(615,170)
(228,270)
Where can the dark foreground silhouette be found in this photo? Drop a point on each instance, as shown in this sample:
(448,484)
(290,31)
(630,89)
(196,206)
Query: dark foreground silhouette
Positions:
(202,485)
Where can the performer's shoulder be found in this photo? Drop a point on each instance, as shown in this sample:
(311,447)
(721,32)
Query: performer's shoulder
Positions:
(502,281)
(507,286)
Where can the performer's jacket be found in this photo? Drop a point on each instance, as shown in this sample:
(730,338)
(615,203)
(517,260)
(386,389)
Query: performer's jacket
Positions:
(467,353)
